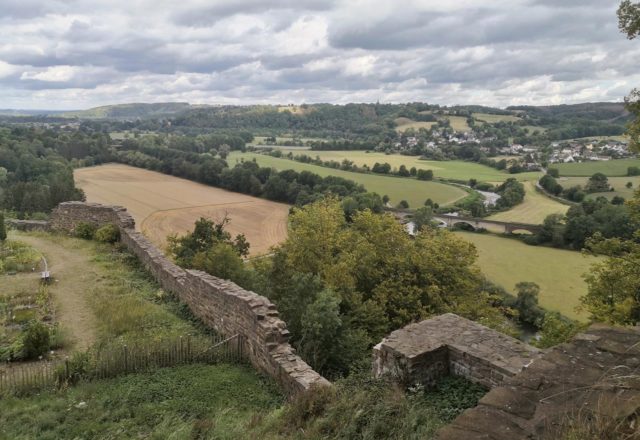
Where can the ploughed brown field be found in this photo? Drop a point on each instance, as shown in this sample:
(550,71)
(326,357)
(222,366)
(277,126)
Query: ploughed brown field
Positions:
(163,205)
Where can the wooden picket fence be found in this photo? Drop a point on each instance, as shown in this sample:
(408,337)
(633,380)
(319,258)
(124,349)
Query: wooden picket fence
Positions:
(115,361)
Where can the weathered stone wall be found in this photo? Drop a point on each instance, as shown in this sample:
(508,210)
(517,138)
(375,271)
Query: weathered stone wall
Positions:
(220,304)
(66,216)
(448,344)
(594,377)
(27,225)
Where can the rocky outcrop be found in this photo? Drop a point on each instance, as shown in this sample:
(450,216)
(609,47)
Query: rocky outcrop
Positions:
(594,377)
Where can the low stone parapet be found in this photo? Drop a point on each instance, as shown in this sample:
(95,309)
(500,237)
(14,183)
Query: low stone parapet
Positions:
(449,344)
(28,225)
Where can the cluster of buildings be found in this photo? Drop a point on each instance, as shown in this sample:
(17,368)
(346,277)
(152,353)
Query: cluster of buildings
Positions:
(590,151)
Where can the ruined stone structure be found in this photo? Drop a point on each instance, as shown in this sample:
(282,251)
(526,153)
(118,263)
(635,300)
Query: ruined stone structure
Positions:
(220,304)
(448,344)
(28,225)
(595,375)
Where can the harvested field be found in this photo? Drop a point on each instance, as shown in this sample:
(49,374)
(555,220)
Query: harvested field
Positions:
(163,205)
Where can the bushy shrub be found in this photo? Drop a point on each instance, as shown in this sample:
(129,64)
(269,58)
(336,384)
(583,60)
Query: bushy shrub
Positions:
(85,230)
(107,234)
(36,340)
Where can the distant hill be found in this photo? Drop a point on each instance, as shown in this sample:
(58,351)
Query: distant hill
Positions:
(18,112)
(129,111)
(613,112)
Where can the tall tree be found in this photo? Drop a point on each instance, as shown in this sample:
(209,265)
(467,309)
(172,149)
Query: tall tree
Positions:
(614,285)
(629,23)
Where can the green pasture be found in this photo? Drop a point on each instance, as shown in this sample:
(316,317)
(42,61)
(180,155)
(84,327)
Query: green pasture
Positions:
(413,191)
(403,124)
(535,207)
(558,272)
(492,119)
(452,169)
(610,168)
(618,184)
(459,123)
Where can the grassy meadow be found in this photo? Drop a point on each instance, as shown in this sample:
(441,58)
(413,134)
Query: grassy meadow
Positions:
(403,124)
(492,119)
(452,169)
(610,168)
(413,191)
(459,123)
(535,207)
(558,272)
(619,185)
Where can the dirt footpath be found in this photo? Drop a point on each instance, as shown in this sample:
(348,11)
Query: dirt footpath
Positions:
(71,269)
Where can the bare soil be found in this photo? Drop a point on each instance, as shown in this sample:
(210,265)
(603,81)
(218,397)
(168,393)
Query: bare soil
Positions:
(164,205)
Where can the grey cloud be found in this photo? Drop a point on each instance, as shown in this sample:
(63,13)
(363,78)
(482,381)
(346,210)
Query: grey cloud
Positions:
(207,14)
(249,50)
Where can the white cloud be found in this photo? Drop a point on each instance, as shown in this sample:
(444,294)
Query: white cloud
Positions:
(81,53)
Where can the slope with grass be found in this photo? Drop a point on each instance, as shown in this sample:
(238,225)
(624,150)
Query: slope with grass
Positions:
(558,272)
(534,209)
(397,188)
(190,402)
(609,168)
(452,169)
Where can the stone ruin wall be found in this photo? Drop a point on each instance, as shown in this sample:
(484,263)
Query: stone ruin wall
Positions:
(220,304)
(423,352)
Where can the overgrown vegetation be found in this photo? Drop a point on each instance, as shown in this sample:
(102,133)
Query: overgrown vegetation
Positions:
(342,283)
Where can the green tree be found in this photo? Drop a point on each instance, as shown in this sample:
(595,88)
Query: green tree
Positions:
(380,279)
(597,183)
(422,217)
(424,174)
(403,204)
(629,18)
(613,285)
(526,302)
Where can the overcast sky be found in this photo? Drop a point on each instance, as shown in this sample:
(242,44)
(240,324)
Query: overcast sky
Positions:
(72,54)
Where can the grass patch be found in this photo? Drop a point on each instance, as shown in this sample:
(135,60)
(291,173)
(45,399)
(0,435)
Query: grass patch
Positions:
(619,184)
(558,272)
(492,119)
(397,188)
(16,256)
(189,402)
(609,168)
(452,169)
(403,124)
(459,123)
(535,207)
(359,407)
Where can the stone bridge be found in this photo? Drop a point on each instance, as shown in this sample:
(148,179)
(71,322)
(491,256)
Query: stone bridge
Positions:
(476,223)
